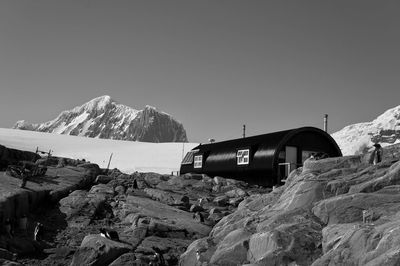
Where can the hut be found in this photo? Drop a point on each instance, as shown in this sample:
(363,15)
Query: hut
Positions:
(264,159)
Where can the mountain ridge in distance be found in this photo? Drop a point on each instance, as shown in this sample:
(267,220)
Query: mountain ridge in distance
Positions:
(102,117)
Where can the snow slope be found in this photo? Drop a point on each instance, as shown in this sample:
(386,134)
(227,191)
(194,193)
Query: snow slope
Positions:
(358,138)
(128,156)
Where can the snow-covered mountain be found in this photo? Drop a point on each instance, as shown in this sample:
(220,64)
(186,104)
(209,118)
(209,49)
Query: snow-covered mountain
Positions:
(104,118)
(358,138)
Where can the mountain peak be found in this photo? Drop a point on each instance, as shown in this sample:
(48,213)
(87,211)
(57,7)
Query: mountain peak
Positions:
(98,103)
(102,117)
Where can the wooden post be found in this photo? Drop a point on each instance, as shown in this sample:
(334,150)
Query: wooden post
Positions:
(109,161)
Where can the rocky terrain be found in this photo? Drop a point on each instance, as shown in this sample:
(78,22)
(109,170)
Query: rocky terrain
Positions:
(315,218)
(148,211)
(104,118)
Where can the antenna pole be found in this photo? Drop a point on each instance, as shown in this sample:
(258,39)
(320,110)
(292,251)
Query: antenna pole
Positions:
(244,131)
(326,122)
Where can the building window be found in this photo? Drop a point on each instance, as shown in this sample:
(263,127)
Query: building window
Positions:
(189,157)
(243,157)
(198,161)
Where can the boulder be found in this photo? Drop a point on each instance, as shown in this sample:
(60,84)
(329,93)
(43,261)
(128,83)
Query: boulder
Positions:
(170,247)
(163,196)
(98,250)
(204,246)
(348,208)
(221,200)
(5,262)
(352,244)
(196,208)
(103,190)
(144,207)
(218,180)
(202,186)
(215,217)
(120,190)
(126,259)
(80,207)
(153,178)
(392,177)
(193,176)
(232,250)
(236,193)
(235,201)
(179,182)
(103,179)
(325,165)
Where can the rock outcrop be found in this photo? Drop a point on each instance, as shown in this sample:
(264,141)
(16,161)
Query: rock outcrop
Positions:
(149,212)
(11,156)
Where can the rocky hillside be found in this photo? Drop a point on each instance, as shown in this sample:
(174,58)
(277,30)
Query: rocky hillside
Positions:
(104,118)
(334,211)
(358,138)
(316,219)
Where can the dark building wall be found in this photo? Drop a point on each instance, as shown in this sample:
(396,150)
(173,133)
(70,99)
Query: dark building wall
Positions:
(263,168)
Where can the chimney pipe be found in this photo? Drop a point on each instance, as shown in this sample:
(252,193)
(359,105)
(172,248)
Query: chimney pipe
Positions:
(244,131)
(326,123)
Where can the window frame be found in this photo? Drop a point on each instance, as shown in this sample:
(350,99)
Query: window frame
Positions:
(198,164)
(241,159)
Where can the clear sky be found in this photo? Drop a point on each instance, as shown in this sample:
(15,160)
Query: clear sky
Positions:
(213,65)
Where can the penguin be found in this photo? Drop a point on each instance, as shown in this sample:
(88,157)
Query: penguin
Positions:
(158,257)
(38,234)
(199,251)
(135,185)
(199,217)
(110,234)
(198,255)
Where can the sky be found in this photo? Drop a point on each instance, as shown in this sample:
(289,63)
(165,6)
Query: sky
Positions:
(213,65)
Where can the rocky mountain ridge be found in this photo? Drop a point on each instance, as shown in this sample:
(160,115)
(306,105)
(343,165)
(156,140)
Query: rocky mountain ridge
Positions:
(104,118)
(359,138)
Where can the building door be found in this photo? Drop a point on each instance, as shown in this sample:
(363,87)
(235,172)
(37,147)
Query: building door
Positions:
(291,159)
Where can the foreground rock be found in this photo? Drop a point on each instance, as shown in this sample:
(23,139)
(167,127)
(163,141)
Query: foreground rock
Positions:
(316,218)
(98,250)
(148,211)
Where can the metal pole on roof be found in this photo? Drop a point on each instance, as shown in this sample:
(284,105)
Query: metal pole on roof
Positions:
(326,122)
(244,131)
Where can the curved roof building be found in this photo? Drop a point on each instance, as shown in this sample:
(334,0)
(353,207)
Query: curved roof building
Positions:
(264,159)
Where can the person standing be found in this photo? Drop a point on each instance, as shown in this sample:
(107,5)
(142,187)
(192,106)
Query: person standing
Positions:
(377,154)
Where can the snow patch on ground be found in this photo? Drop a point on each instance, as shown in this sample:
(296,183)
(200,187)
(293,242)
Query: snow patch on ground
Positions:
(128,156)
